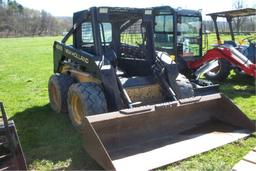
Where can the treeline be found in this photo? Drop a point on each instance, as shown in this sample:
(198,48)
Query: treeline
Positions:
(16,20)
(240,25)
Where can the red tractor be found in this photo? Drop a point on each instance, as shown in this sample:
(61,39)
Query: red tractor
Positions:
(183,40)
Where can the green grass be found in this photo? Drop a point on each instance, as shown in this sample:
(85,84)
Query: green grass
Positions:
(48,139)
(213,39)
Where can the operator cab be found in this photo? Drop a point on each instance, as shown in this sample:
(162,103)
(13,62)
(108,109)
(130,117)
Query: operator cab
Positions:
(189,34)
(164,30)
(189,38)
(120,35)
(179,33)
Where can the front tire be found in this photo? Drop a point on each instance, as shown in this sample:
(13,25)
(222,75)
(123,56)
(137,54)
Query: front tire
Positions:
(219,73)
(183,87)
(85,99)
(58,86)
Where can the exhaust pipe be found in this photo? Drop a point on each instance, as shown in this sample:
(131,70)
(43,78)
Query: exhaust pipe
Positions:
(149,137)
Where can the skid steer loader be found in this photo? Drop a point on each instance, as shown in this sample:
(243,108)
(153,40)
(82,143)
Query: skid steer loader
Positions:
(133,108)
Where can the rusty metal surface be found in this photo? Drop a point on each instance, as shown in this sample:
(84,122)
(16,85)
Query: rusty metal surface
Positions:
(146,94)
(148,137)
(247,163)
(12,159)
(11,154)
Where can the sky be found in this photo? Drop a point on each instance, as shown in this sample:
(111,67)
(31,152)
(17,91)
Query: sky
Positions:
(68,7)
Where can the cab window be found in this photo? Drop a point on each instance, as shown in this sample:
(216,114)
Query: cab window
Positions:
(106,32)
(189,35)
(163,36)
(87,34)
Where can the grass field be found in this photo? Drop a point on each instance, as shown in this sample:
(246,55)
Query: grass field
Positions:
(48,139)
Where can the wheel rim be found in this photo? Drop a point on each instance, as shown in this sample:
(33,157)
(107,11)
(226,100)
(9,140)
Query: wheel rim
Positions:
(54,95)
(215,71)
(77,109)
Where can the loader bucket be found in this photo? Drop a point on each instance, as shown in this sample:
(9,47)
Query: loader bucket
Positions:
(149,137)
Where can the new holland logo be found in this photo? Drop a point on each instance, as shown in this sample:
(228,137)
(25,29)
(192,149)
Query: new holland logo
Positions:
(77,56)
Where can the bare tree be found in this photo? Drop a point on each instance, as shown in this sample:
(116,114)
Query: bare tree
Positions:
(238,21)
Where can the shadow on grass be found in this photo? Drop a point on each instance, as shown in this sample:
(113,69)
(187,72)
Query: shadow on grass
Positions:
(48,136)
(238,85)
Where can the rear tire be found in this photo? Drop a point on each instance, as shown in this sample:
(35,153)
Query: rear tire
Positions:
(85,99)
(58,86)
(221,73)
(183,88)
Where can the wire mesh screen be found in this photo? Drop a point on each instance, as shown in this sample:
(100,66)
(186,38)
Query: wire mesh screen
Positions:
(133,35)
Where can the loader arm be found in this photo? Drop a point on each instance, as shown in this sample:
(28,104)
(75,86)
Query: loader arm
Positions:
(159,72)
(163,67)
(228,53)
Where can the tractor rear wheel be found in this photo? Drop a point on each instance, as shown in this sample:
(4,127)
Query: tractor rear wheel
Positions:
(58,86)
(183,88)
(85,99)
(219,73)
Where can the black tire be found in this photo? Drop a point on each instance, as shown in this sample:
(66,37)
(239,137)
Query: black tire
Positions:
(58,86)
(183,87)
(85,99)
(220,73)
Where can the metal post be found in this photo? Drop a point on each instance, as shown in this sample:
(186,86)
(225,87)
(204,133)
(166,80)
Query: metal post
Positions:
(229,20)
(96,31)
(214,18)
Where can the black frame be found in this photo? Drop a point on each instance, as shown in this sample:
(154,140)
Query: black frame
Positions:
(96,16)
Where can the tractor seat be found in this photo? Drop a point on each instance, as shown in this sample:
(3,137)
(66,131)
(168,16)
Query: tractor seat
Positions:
(137,81)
